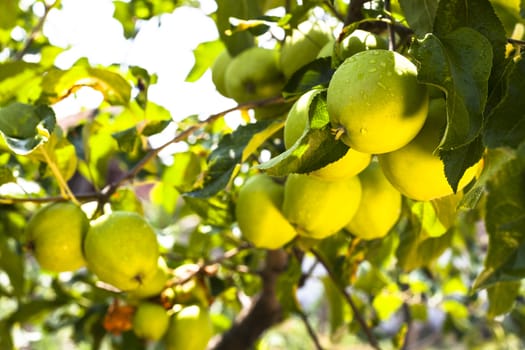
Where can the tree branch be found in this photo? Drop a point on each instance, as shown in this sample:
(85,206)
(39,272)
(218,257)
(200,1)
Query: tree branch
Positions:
(362,323)
(35,31)
(105,193)
(310,329)
(264,312)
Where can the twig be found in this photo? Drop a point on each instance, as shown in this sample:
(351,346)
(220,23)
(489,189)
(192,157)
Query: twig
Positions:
(354,13)
(334,11)
(408,322)
(203,265)
(35,31)
(516,41)
(108,190)
(310,329)
(62,183)
(103,195)
(391,33)
(362,323)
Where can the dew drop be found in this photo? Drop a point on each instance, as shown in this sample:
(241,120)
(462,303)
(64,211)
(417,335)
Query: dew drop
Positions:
(363,131)
(371,70)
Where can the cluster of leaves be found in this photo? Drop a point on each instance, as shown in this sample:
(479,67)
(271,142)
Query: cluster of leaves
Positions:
(458,259)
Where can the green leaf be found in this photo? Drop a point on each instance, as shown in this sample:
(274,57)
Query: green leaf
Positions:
(32,309)
(205,54)
(237,41)
(184,171)
(477,14)
(387,302)
(8,13)
(416,249)
(126,139)
(429,221)
(25,127)
(522,8)
(457,161)
(6,175)
(459,63)
(12,263)
(316,148)
(493,162)
(214,211)
(420,14)
(58,84)
(506,122)
(232,150)
(313,75)
(502,297)
(19,81)
(505,224)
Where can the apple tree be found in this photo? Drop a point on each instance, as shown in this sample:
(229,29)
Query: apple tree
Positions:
(366,188)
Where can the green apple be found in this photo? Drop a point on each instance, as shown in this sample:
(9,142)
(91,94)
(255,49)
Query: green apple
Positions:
(303,45)
(375,102)
(55,234)
(218,71)
(154,285)
(150,321)
(380,205)
(318,207)
(254,75)
(121,249)
(360,40)
(416,170)
(258,213)
(189,329)
(352,163)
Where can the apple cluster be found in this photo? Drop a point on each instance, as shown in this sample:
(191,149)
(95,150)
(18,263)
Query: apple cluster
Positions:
(375,105)
(122,251)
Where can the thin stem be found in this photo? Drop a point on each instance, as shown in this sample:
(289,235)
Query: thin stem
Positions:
(202,266)
(111,188)
(36,30)
(62,183)
(516,41)
(362,323)
(310,329)
(391,33)
(334,11)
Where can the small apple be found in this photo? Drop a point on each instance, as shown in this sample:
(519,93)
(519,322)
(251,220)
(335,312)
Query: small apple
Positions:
(258,213)
(218,71)
(55,234)
(154,285)
(254,75)
(189,329)
(303,45)
(150,321)
(318,207)
(121,249)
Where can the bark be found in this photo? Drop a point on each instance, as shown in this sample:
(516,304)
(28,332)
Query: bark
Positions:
(265,310)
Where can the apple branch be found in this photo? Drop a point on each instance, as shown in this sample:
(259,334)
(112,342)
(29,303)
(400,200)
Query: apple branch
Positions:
(37,29)
(265,311)
(362,323)
(105,193)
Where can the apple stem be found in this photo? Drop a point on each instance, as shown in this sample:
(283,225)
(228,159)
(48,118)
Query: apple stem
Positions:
(338,132)
(62,183)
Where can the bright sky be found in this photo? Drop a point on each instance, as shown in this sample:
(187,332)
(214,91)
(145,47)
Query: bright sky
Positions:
(162,46)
